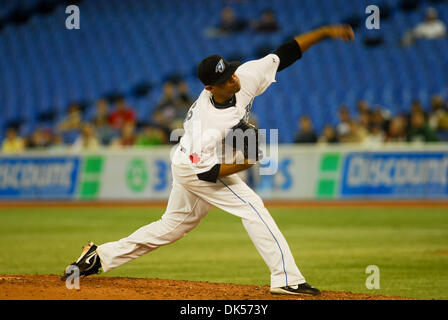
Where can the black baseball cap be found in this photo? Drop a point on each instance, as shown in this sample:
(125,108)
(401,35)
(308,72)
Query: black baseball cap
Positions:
(215,70)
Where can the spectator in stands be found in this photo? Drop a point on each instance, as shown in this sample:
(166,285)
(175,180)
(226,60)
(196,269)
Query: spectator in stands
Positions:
(122,114)
(72,121)
(12,142)
(267,22)
(39,139)
(362,106)
(343,127)
(356,134)
(432,28)
(69,127)
(306,133)
(151,137)
(87,141)
(229,24)
(184,95)
(166,108)
(101,110)
(397,131)
(328,136)
(375,137)
(128,136)
(438,120)
(103,131)
(417,106)
(419,130)
(379,117)
(173,106)
(364,120)
(57,144)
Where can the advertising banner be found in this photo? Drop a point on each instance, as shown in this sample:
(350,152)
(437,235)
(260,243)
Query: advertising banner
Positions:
(38,177)
(126,176)
(299,173)
(398,175)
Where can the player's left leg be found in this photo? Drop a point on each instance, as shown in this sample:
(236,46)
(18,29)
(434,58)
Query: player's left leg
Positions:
(264,232)
(231,194)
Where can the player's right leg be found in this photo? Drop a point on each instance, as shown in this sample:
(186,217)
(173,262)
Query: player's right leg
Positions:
(184,212)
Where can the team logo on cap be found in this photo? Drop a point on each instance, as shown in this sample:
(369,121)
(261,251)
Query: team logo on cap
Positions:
(220,67)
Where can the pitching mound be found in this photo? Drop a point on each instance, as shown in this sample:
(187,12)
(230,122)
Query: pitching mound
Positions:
(49,287)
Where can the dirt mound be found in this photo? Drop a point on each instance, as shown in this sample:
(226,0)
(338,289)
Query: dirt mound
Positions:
(50,287)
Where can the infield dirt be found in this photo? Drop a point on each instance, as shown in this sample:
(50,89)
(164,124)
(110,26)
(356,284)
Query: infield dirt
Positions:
(50,287)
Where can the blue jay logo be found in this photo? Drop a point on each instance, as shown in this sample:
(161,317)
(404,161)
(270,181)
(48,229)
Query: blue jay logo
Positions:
(220,67)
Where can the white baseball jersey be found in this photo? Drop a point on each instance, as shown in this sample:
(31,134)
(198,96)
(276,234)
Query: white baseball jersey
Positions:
(191,198)
(206,125)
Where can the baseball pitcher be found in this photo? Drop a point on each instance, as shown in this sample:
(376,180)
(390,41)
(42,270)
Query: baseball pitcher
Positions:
(202,179)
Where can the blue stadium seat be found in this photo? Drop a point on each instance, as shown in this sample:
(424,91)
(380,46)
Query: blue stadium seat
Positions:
(122,44)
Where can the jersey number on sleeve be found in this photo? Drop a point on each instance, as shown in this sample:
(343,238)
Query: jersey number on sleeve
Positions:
(190,112)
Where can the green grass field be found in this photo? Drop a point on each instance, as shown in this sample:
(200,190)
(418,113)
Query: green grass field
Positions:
(332,247)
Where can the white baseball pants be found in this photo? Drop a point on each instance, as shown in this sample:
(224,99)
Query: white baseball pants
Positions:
(189,202)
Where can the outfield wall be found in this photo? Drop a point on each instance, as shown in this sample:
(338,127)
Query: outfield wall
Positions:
(302,173)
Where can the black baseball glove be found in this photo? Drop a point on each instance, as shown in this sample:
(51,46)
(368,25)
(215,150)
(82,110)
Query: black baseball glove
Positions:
(245,137)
